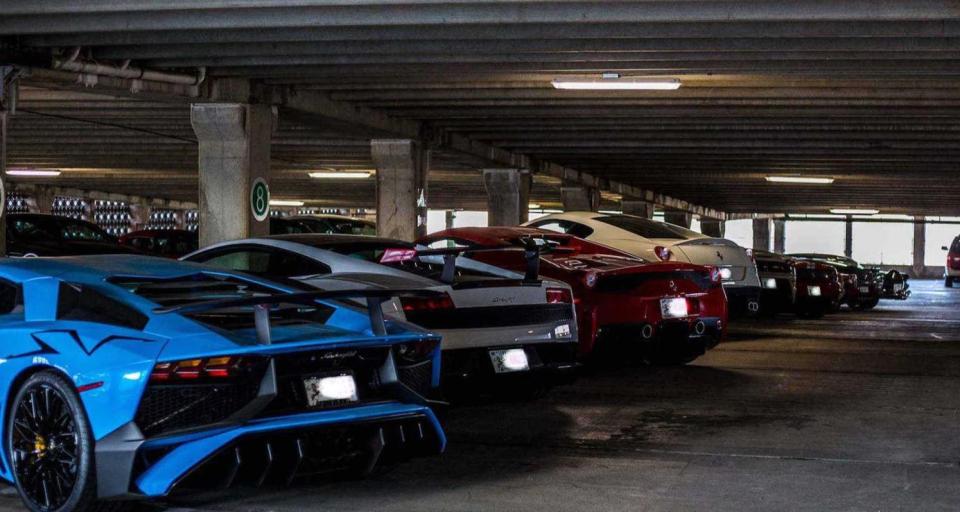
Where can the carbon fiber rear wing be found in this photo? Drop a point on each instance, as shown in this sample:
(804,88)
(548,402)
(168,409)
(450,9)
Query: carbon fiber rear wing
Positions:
(531,254)
(262,304)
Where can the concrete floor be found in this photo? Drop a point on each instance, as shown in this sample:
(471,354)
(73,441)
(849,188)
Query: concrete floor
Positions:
(857,411)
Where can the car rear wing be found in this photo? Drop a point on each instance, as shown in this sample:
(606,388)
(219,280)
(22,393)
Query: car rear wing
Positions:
(264,303)
(531,254)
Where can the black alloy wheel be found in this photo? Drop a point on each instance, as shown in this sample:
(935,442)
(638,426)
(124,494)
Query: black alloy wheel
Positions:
(50,446)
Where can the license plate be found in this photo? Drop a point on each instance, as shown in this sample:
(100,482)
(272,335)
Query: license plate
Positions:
(898,287)
(509,360)
(334,388)
(864,289)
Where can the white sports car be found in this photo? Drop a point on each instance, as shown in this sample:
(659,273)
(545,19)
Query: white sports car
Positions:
(653,241)
(498,326)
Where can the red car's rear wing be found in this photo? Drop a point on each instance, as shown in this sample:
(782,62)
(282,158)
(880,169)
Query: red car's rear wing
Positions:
(262,305)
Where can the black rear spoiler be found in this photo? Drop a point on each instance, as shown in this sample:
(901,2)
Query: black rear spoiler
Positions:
(262,304)
(531,253)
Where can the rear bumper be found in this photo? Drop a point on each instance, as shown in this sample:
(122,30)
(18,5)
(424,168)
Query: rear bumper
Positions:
(550,363)
(778,299)
(154,467)
(743,300)
(667,337)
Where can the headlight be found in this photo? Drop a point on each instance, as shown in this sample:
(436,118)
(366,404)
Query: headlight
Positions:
(770,283)
(725,273)
(813,291)
(674,308)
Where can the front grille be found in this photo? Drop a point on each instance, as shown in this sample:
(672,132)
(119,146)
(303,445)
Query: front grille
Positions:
(166,408)
(418,377)
(493,316)
(292,369)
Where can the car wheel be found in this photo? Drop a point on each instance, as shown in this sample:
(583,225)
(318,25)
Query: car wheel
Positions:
(51,447)
(948,282)
(870,304)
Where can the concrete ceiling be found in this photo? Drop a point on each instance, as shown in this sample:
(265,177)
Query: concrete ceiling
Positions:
(862,91)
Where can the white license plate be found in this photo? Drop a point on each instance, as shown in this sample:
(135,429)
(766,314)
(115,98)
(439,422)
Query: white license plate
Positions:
(509,360)
(864,289)
(335,388)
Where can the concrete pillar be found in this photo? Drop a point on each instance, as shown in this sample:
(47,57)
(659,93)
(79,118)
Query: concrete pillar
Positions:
(919,246)
(43,197)
(234,147)
(402,166)
(683,219)
(8,100)
(449,218)
(580,199)
(713,227)
(848,238)
(508,196)
(761,234)
(638,208)
(779,236)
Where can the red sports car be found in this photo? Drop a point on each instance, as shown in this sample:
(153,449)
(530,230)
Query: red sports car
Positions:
(671,311)
(819,288)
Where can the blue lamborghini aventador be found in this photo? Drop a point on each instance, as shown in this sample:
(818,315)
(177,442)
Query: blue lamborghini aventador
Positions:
(130,377)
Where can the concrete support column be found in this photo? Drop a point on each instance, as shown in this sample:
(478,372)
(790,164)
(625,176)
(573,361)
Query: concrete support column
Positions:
(234,147)
(8,101)
(508,196)
(44,197)
(779,236)
(402,167)
(638,208)
(848,238)
(449,218)
(580,199)
(761,234)
(919,246)
(713,227)
(683,219)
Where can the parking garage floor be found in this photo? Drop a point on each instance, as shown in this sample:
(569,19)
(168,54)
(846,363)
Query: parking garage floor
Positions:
(856,411)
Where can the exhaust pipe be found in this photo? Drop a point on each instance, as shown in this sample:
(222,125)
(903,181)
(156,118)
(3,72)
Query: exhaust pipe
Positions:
(647,331)
(700,327)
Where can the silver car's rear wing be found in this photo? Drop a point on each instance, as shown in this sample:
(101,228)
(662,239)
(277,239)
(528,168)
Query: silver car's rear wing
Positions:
(262,304)
(531,254)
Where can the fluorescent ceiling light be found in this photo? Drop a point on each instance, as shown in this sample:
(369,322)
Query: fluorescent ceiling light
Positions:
(617,84)
(800,179)
(37,173)
(854,211)
(341,175)
(285,202)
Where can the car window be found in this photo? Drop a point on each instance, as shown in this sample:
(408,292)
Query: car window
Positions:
(447,243)
(251,261)
(956,245)
(55,228)
(565,226)
(648,228)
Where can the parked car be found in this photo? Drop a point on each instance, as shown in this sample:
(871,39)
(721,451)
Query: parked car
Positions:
(778,281)
(167,243)
(501,332)
(652,241)
(34,234)
(819,288)
(130,377)
(324,224)
(862,286)
(669,312)
(951,272)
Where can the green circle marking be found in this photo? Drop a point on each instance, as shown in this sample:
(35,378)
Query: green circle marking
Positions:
(260,199)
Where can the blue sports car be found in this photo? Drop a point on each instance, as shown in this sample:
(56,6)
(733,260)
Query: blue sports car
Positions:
(128,377)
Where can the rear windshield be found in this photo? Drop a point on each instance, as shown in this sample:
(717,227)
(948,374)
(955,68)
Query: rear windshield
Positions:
(648,228)
(205,287)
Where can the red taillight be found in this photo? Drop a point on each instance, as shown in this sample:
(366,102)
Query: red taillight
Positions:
(195,369)
(663,253)
(398,255)
(559,296)
(427,303)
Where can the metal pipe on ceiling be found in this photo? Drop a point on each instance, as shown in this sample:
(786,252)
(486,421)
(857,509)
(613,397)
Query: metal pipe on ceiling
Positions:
(71,63)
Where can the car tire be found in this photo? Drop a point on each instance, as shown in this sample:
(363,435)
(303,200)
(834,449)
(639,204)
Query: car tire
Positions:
(948,282)
(68,436)
(870,304)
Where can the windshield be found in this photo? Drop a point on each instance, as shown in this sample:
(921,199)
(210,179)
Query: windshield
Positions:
(649,228)
(55,228)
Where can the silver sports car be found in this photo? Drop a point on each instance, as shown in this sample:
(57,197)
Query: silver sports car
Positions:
(499,328)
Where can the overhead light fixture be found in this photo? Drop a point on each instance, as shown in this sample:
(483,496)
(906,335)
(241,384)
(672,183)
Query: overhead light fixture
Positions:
(854,211)
(810,180)
(285,202)
(36,173)
(613,82)
(341,175)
